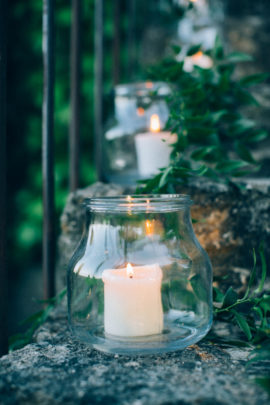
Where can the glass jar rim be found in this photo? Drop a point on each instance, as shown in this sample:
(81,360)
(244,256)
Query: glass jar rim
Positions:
(142,89)
(138,203)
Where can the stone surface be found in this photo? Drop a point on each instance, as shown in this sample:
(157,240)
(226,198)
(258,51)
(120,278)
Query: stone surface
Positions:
(230,223)
(58,370)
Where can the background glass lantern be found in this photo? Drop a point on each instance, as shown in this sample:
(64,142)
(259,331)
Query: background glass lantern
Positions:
(135,104)
(139,282)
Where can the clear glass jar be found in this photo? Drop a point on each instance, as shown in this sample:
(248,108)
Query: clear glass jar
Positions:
(139,281)
(134,104)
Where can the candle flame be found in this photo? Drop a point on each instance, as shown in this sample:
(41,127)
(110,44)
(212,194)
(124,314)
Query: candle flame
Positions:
(140,111)
(130,271)
(154,123)
(149,85)
(197,55)
(129,200)
(149,227)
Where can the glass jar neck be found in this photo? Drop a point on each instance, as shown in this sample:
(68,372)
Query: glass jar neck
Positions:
(139,204)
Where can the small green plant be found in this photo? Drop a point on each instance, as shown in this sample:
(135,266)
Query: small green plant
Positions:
(215,139)
(251,312)
(34,321)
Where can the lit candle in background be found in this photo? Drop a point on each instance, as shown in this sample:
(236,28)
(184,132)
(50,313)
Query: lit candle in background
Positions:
(198,59)
(132,301)
(153,148)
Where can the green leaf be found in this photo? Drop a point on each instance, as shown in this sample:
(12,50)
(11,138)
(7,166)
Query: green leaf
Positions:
(176,49)
(165,174)
(242,324)
(257,136)
(216,116)
(264,382)
(261,352)
(200,153)
(218,296)
(242,125)
(230,165)
(32,318)
(218,51)
(252,275)
(264,268)
(230,298)
(21,339)
(197,285)
(259,312)
(265,305)
(254,79)
(247,98)
(201,171)
(239,57)
(244,153)
(194,49)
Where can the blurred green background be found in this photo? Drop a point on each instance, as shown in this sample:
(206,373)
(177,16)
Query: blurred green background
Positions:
(24,98)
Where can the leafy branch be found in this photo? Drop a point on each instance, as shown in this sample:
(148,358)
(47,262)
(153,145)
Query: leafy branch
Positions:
(214,138)
(250,312)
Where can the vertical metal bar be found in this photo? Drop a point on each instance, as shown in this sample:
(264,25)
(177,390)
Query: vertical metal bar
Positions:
(48,150)
(116,43)
(75,63)
(3,207)
(98,86)
(131,9)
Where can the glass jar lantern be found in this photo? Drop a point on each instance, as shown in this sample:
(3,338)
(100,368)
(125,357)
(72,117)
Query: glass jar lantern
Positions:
(139,282)
(126,152)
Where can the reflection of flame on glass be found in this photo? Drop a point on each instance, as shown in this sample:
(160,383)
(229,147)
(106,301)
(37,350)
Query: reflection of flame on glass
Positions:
(149,225)
(129,200)
(154,123)
(130,271)
(140,111)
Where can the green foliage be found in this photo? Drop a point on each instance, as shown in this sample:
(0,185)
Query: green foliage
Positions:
(34,321)
(252,311)
(215,139)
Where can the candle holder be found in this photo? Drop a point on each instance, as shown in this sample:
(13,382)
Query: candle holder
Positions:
(131,149)
(139,282)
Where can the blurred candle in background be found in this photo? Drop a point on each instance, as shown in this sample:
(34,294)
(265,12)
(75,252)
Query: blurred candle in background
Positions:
(153,148)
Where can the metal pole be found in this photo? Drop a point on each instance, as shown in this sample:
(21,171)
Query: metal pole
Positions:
(98,86)
(75,63)
(116,43)
(48,150)
(131,8)
(3,207)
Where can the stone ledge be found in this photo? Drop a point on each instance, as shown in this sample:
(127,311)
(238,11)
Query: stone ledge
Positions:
(230,223)
(56,369)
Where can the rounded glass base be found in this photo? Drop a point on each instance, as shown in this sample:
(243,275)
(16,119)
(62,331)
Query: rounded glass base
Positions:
(175,336)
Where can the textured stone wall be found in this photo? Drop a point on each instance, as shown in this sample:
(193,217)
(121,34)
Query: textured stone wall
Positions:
(229,224)
(56,370)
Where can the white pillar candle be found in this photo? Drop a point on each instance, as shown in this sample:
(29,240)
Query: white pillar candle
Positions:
(132,301)
(153,148)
